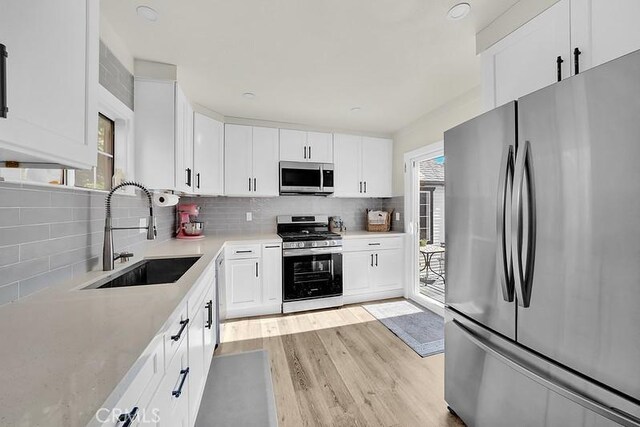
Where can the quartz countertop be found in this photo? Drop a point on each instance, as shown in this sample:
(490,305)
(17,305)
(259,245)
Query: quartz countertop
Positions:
(362,234)
(65,349)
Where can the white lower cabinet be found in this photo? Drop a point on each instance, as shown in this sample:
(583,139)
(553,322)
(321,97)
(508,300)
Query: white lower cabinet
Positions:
(253,275)
(373,269)
(170,405)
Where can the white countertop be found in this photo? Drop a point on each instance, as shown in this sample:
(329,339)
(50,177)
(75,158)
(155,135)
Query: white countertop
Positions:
(361,234)
(64,349)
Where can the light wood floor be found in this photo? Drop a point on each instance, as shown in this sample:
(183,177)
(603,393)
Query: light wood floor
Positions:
(341,367)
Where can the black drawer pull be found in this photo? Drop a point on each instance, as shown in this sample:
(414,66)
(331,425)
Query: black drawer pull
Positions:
(188,177)
(248,251)
(209,307)
(376,260)
(198,180)
(559,62)
(183,324)
(127,419)
(272,247)
(3,81)
(374,244)
(576,60)
(178,392)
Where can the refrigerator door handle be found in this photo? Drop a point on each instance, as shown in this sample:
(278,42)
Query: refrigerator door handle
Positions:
(503,252)
(613,414)
(523,274)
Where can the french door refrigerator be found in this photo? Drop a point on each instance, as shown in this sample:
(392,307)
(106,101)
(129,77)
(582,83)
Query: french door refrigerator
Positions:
(542,324)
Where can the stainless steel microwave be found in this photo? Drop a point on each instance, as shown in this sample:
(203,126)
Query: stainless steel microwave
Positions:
(306,178)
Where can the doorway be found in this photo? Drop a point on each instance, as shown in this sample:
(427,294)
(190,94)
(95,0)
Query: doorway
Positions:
(424,204)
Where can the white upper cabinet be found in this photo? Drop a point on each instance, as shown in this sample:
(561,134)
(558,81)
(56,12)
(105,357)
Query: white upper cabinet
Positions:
(604,29)
(251,161)
(184,143)
(593,31)
(301,146)
(208,155)
(164,136)
(51,82)
(362,166)
(526,60)
(377,155)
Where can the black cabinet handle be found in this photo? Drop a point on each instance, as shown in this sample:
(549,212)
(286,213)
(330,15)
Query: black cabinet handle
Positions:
(365,186)
(210,315)
(371,260)
(361,186)
(178,392)
(127,419)
(309,151)
(257,269)
(255,184)
(305,151)
(198,180)
(188,177)
(374,244)
(3,81)
(559,62)
(576,60)
(183,324)
(376,260)
(244,251)
(249,183)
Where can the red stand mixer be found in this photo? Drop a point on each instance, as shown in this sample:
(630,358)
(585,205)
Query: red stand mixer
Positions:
(188,227)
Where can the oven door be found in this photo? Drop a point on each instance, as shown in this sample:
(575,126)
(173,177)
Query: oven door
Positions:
(311,273)
(298,177)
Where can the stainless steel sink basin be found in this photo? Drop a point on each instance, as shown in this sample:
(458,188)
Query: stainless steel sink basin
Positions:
(147,272)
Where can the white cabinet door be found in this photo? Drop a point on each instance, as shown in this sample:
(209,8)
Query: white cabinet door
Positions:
(211,311)
(208,155)
(155,130)
(272,274)
(183,143)
(376,166)
(52,81)
(169,408)
(347,165)
(320,147)
(604,29)
(525,61)
(197,374)
(356,266)
(387,272)
(293,145)
(265,162)
(243,283)
(238,160)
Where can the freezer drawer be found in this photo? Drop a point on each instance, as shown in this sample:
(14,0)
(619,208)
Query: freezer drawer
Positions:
(490,381)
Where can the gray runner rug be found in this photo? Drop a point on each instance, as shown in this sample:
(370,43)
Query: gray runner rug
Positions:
(239,392)
(419,328)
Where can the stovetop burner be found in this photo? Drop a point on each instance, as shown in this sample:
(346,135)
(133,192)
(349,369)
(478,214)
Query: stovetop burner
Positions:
(307,235)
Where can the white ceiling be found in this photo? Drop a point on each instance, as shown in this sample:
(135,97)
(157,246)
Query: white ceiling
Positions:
(310,61)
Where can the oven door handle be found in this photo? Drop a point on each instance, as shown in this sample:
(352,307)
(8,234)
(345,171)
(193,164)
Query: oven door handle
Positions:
(311,251)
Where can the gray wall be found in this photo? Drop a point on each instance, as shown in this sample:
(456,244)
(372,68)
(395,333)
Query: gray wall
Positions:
(48,235)
(227,215)
(115,77)
(397,204)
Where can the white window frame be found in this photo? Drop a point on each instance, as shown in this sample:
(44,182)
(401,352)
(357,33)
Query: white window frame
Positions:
(123,118)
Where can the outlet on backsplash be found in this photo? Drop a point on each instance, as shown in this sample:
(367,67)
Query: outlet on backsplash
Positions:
(249,216)
(397,216)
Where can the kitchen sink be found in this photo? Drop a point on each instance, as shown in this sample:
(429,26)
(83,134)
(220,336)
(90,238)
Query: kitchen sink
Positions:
(147,272)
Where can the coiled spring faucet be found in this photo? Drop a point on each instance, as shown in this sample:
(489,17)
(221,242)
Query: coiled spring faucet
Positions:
(108,256)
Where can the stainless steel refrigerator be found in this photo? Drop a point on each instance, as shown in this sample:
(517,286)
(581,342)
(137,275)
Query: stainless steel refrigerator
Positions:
(542,324)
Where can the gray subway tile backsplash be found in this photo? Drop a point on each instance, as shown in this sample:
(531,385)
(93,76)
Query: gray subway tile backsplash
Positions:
(64,234)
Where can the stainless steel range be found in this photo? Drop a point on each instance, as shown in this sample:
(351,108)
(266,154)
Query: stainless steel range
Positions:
(311,263)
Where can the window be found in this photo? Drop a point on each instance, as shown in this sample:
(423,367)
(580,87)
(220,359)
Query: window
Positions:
(426,213)
(115,153)
(101,176)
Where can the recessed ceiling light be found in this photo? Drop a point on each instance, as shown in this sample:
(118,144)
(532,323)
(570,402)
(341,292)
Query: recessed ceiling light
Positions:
(147,13)
(459,11)
(355,109)
(249,95)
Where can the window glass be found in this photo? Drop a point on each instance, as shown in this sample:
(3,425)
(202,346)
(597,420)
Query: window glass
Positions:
(100,177)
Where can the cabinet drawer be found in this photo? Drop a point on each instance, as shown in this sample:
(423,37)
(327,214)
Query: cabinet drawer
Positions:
(373,244)
(176,332)
(242,251)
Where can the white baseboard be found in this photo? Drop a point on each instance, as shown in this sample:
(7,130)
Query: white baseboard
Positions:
(234,313)
(353,299)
